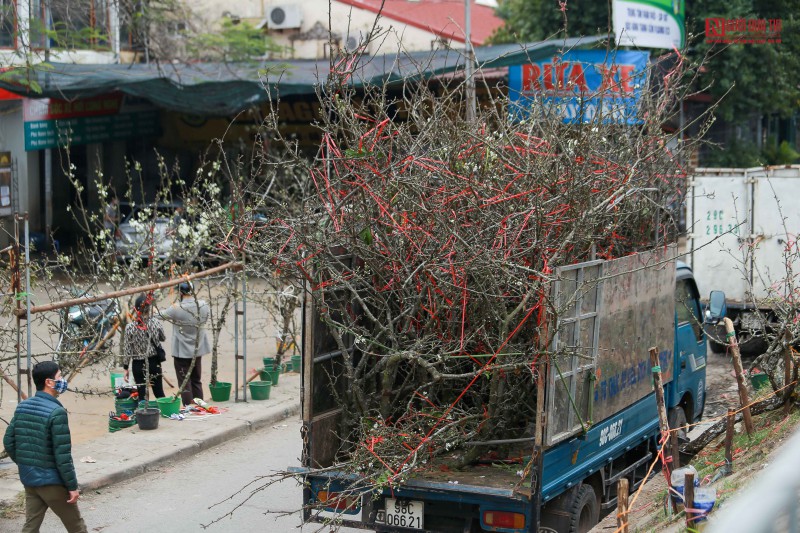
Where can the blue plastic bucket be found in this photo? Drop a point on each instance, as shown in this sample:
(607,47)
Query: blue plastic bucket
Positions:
(704,499)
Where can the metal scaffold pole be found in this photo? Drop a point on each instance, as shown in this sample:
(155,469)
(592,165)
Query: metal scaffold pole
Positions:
(237,312)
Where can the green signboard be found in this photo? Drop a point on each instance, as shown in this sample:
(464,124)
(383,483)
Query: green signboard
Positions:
(650,23)
(42,134)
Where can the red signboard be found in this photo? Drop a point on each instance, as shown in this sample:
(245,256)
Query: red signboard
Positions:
(52,109)
(8,95)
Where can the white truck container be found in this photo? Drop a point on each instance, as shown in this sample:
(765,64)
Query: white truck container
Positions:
(742,229)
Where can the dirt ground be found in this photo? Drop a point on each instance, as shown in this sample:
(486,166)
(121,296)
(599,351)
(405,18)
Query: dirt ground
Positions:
(89,399)
(648,513)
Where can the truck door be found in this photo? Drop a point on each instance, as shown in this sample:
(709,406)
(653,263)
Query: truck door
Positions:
(324,380)
(690,351)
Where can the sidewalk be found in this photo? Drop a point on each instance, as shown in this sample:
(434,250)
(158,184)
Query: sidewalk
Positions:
(131,452)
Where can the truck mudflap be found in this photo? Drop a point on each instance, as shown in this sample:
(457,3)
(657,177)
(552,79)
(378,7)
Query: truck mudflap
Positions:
(418,505)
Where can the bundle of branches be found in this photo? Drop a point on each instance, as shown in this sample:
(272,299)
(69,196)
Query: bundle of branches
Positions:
(429,243)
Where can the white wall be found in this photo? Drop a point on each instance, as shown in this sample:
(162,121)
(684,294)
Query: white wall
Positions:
(345,20)
(26,164)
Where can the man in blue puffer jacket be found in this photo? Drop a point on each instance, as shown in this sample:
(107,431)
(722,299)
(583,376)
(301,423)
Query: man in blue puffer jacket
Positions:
(38,440)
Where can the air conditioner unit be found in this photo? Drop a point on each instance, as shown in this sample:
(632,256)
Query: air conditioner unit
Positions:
(354,41)
(284,17)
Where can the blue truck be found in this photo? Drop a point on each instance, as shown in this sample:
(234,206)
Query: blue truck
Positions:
(598,419)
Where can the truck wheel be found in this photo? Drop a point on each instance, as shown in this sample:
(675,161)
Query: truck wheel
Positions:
(585,512)
(677,418)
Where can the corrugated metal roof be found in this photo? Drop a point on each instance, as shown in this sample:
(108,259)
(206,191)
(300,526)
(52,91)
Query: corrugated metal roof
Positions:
(444,18)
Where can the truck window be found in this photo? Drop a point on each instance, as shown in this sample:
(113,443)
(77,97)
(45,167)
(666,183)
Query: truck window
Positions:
(687,307)
(575,350)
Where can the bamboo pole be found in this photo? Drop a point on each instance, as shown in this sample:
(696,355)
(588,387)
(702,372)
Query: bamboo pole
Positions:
(662,407)
(688,499)
(744,397)
(132,290)
(731,420)
(787,373)
(622,505)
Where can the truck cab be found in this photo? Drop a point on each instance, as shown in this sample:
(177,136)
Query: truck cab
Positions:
(685,394)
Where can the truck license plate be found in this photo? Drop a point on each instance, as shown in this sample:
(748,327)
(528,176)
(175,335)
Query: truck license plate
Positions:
(404,513)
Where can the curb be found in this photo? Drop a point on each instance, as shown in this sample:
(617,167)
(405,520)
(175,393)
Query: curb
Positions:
(190,448)
(186,447)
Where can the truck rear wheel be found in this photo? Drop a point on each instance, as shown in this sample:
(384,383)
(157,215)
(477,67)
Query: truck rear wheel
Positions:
(677,419)
(585,512)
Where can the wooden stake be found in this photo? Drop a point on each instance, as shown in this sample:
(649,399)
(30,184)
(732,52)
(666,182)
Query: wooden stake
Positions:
(622,505)
(688,499)
(729,441)
(674,448)
(662,407)
(787,373)
(744,397)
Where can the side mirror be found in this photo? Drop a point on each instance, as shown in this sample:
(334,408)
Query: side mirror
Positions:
(717,308)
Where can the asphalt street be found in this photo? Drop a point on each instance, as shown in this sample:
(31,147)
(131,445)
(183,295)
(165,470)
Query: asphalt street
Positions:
(180,497)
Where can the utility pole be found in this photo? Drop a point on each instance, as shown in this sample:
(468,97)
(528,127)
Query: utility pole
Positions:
(469,71)
(48,152)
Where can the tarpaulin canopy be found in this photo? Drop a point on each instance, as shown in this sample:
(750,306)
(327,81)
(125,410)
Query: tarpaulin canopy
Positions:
(224,89)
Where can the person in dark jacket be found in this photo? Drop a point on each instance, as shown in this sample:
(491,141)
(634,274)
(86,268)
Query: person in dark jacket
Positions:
(38,440)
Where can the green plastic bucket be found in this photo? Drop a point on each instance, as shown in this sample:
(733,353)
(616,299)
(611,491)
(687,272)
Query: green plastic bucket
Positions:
(221,392)
(259,390)
(117,379)
(125,405)
(116,425)
(264,374)
(275,375)
(169,405)
(759,380)
(297,363)
(269,362)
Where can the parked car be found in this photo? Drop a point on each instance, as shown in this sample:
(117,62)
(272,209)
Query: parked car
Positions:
(146,231)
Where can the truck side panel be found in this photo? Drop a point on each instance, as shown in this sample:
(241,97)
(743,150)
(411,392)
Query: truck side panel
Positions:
(568,463)
(637,301)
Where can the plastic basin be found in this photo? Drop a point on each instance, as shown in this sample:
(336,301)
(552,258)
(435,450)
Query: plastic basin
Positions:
(221,392)
(259,390)
(169,405)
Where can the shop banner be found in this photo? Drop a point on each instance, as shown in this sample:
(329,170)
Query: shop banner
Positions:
(581,86)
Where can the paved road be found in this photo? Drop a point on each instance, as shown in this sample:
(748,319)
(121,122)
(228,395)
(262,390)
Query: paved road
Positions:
(176,498)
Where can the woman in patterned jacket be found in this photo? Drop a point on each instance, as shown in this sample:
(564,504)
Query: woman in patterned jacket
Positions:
(138,347)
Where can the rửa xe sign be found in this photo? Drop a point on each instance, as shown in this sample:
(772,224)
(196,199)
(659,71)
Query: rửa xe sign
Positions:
(581,86)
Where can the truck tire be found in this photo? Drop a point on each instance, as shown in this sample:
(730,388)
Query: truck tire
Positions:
(676,417)
(585,512)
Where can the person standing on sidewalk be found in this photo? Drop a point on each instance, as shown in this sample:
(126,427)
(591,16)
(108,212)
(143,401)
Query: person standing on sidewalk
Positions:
(142,335)
(189,340)
(38,440)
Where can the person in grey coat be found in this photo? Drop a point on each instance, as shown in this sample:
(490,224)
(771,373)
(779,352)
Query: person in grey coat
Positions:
(189,340)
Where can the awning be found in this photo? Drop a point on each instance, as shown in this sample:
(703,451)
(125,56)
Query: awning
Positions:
(224,89)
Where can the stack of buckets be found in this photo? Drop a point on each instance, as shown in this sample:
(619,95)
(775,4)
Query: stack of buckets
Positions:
(127,406)
(270,374)
(704,497)
(123,408)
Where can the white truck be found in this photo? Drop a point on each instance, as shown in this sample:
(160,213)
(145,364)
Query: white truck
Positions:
(742,231)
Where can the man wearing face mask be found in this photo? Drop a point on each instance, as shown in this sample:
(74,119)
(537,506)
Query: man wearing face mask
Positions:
(38,440)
